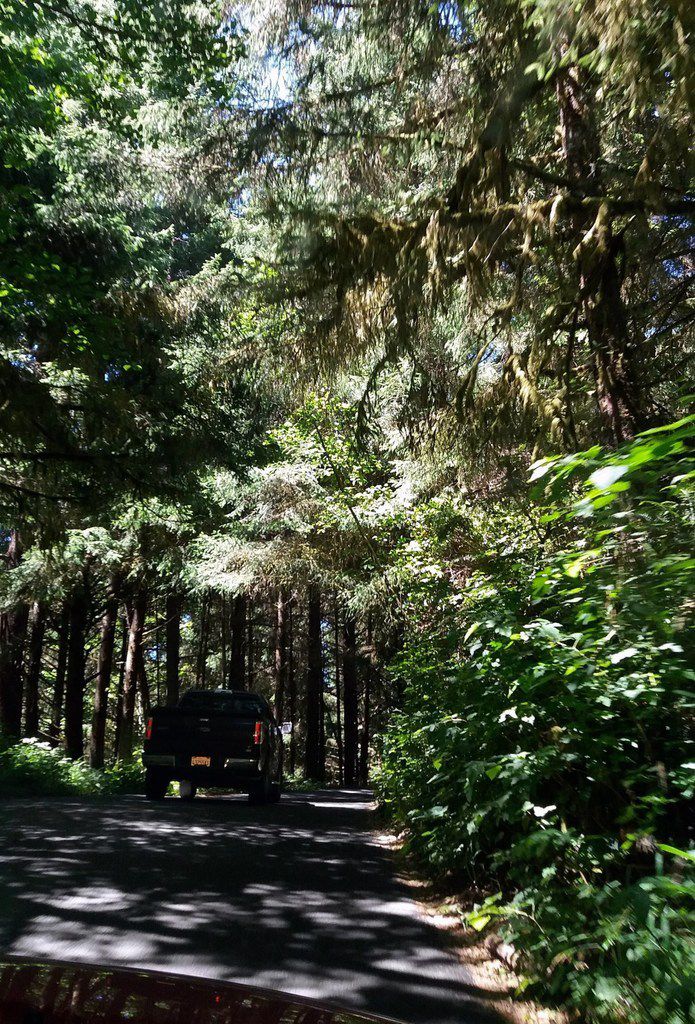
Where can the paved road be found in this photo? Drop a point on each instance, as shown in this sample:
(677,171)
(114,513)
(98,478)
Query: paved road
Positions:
(300,897)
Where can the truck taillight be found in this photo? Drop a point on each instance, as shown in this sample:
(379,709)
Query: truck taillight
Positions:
(257,732)
(148,730)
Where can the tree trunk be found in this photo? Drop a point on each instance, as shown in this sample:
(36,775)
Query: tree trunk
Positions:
(223,639)
(13,628)
(238,648)
(75,675)
(280,654)
(33,673)
(292,686)
(315,753)
(59,682)
(136,624)
(617,389)
(322,733)
(118,717)
(157,657)
(174,608)
(366,720)
(338,715)
(250,649)
(144,687)
(103,681)
(201,662)
(350,699)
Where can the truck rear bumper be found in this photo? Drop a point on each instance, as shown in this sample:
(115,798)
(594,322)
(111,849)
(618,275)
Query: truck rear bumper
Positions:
(230,771)
(159,760)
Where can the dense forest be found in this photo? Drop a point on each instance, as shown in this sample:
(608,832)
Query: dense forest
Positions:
(346,356)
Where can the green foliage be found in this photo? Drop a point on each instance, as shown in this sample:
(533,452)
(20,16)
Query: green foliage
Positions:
(621,951)
(519,166)
(481,212)
(296,782)
(546,744)
(33,768)
(111,255)
(315,510)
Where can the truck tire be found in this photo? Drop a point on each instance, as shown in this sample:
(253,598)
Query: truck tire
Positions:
(187,790)
(260,792)
(156,785)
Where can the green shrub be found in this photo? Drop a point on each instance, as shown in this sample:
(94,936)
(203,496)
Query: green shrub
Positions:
(34,768)
(294,782)
(546,746)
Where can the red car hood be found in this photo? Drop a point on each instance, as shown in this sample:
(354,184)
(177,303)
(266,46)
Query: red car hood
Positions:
(65,993)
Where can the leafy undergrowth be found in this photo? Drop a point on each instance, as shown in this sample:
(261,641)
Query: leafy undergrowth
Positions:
(546,750)
(295,782)
(34,768)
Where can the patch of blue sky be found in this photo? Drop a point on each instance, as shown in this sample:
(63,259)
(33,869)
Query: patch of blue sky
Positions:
(449,12)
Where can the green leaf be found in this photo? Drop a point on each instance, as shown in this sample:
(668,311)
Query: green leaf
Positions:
(607,990)
(603,478)
(629,652)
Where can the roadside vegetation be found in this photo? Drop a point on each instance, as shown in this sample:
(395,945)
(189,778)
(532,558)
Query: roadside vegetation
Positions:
(34,768)
(346,355)
(543,758)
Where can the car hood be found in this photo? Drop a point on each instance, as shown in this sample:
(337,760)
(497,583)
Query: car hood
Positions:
(71,993)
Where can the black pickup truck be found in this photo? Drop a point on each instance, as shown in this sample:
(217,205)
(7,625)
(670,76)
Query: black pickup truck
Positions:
(225,738)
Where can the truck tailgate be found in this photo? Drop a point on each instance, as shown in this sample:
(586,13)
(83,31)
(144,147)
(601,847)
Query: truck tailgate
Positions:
(187,735)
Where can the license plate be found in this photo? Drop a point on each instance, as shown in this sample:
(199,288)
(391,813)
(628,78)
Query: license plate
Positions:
(203,761)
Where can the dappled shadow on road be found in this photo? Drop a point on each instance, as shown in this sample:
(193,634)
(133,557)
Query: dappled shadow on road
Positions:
(298,897)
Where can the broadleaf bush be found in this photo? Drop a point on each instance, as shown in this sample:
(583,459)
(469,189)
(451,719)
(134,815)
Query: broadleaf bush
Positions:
(545,749)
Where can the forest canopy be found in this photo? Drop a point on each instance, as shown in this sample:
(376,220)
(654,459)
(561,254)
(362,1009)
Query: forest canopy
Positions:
(346,356)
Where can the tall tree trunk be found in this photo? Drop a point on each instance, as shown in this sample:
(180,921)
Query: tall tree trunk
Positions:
(322,733)
(280,654)
(237,665)
(75,675)
(366,719)
(338,713)
(201,661)
(136,625)
(118,716)
(250,648)
(144,686)
(33,673)
(292,686)
(350,701)
(223,639)
(59,682)
(315,752)
(174,608)
(157,659)
(103,681)
(618,393)
(13,628)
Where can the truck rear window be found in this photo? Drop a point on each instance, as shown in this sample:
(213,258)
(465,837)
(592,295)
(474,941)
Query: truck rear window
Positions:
(222,703)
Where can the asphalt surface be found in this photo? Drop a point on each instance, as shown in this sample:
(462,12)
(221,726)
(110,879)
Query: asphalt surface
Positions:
(301,897)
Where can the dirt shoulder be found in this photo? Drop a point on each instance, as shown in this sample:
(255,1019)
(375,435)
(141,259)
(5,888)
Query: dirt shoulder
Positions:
(483,956)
